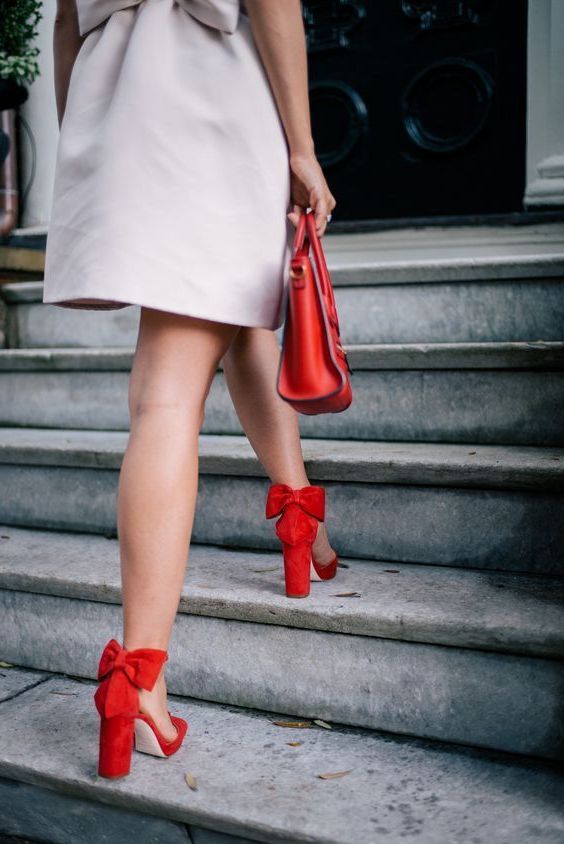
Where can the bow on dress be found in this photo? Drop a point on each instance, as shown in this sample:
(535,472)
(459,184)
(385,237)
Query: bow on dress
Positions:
(123,673)
(219,14)
(309,498)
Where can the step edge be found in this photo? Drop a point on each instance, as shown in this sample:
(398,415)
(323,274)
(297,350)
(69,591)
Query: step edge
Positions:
(374,273)
(143,804)
(382,469)
(541,355)
(222,605)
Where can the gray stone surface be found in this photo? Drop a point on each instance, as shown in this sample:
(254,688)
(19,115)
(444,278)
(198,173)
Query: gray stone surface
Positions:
(422,252)
(101,359)
(410,397)
(410,285)
(366,357)
(499,701)
(34,324)
(21,292)
(448,312)
(15,680)
(486,529)
(251,783)
(433,253)
(430,604)
(408,520)
(494,467)
(387,313)
(199,835)
(45,815)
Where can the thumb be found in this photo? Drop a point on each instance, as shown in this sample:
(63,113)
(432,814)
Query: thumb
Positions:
(294,215)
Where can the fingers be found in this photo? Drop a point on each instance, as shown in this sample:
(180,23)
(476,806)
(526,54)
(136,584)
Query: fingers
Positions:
(322,204)
(319,205)
(309,188)
(294,215)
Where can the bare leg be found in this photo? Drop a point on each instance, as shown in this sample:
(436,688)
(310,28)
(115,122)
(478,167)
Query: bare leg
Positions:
(175,360)
(250,366)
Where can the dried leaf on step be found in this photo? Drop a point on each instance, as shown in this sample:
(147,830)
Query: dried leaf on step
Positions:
(392,571)
(66,694)
(334,775)
(272,568)
(321,723)
(294,743)
(471,452)
(6,664)
(346,595)
(291,723)
(7,537)
(191,781)
(342,565)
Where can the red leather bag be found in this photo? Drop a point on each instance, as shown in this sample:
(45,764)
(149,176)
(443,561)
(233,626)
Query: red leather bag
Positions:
(314,373)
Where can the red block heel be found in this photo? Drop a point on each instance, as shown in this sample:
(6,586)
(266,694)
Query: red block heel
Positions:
(300,510)
(116,745)
(123,673)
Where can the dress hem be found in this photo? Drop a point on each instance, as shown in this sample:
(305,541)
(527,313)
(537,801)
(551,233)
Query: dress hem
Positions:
(76,305)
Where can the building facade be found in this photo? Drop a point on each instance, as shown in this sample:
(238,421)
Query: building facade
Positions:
(418,110)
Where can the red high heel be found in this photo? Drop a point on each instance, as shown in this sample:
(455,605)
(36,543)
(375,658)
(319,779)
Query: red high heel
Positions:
(300,510)
(122,725)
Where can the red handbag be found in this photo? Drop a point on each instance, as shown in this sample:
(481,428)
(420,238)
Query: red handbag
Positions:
(314,373)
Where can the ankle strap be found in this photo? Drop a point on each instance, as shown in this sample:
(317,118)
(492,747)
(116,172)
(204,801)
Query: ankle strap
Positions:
(309,498)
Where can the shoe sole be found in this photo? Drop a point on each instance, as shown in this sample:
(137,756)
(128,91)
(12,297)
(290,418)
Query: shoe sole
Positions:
(145,739)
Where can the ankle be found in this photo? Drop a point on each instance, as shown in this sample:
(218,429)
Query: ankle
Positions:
(293,483)
(158,690)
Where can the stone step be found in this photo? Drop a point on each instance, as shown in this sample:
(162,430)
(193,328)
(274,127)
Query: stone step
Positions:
(484,651)
(253,785)
(506,393)
(409,286)
(488,507)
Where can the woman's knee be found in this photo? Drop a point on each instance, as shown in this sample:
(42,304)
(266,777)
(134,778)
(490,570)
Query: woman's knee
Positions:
(174,365)
(184,407)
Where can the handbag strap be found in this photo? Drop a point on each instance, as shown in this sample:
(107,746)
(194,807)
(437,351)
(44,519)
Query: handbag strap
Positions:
(300,247)
(306,237)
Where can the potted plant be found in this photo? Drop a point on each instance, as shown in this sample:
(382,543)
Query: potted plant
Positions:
(18,56)
(18,69)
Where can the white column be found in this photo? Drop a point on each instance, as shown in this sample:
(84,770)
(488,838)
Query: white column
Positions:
(545,104)
(40,112)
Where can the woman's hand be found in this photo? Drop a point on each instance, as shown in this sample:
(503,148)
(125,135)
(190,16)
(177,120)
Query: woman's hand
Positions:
(309,189)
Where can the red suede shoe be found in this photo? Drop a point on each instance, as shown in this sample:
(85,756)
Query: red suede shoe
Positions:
(122,725)
(300,510)
(148,738)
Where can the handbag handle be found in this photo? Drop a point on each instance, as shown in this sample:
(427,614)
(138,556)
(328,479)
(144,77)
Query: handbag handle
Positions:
(299,236)
(306,236)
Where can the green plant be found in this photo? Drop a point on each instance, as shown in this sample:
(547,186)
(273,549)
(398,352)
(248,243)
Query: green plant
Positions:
(18,29)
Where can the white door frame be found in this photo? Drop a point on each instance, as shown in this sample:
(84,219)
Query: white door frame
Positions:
(545,104)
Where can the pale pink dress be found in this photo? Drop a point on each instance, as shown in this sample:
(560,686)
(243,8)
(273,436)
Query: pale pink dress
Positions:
(172,179)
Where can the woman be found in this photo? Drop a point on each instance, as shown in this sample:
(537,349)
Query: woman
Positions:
(185,155)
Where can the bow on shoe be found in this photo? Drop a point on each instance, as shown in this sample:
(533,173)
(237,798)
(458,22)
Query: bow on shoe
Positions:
(124,672)
(219,14)
(309,498)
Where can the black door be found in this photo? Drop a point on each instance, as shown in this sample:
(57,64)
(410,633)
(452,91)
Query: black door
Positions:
(418,106)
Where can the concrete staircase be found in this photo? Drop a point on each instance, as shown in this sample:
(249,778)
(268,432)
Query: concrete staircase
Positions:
(443,629)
